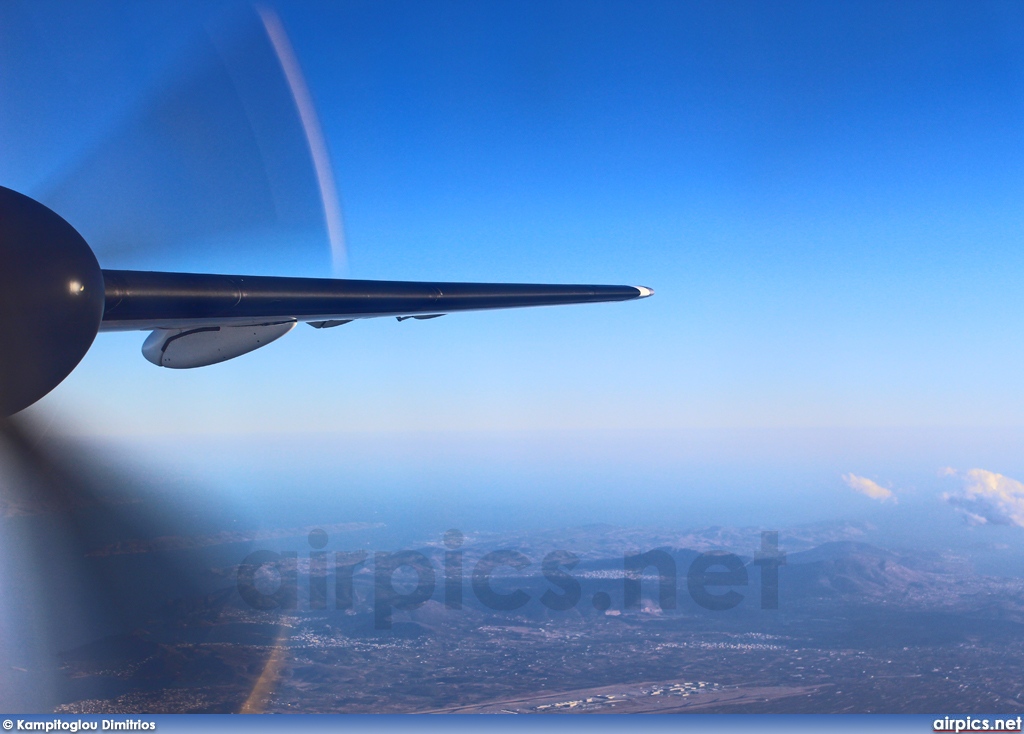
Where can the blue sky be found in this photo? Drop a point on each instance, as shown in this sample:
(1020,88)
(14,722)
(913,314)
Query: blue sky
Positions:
(826,198)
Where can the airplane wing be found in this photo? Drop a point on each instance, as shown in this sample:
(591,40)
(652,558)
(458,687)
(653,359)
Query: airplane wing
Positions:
(193,315)
(137,300)
(54,298)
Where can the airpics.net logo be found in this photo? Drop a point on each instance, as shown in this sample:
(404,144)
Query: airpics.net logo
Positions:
(405,580)
(958,725)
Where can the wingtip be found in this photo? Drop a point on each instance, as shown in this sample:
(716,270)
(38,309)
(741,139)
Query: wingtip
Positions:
(645,292)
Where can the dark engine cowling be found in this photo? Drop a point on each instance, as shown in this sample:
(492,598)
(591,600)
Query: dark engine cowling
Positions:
(51,300)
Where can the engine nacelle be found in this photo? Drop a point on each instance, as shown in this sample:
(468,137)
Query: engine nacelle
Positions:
(183,349)
(51,300)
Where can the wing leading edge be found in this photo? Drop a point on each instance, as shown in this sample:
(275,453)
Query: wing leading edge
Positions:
(137,300)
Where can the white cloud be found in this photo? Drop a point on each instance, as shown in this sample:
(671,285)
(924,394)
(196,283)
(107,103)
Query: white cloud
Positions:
(987,498)
(868,487)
